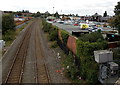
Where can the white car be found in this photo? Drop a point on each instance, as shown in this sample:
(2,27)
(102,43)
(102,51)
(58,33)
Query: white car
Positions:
(95,29)
(60,22)
(68,22)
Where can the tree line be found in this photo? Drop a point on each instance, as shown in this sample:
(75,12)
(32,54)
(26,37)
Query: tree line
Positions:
(115,20)
(7,23)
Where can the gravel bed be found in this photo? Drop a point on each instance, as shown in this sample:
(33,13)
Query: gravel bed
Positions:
(52,61)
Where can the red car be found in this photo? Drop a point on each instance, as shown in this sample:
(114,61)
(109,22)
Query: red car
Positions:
(75,24)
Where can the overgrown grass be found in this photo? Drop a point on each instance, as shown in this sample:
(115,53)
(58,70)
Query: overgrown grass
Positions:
(52,33)
(64,35)
(11,35)
(70,67)
(54,44)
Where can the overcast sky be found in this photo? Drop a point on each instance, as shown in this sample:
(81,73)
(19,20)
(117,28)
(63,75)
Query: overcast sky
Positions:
(81,7)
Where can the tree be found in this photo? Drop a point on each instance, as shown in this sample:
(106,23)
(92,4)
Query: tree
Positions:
(111,21)
(73,15)
(63,16)
(37,14)
(56,15)
(115,21)
(7,23)
(26,11)
(105,14)
(117,9)
(77,15)
(117,17)
(23,11)
(46,14)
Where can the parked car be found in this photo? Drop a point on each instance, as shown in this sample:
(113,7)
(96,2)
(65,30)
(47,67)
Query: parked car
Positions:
(94,29)
(68,22)
(76,24)
(61,22)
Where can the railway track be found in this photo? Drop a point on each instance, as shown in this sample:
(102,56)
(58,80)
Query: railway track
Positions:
(16,70)
(42,74)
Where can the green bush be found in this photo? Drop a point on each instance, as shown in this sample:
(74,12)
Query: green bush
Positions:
(53,33)
(7,22)
(116,54)
(92,76)
(92,37)
(88,69)
(64,36)
(9,36)
(87,48)
(72,71)
(46,26)
(54,44)
(88,66)
(52,30)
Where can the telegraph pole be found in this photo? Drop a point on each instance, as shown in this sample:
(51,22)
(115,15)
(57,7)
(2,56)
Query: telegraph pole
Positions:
(53,11)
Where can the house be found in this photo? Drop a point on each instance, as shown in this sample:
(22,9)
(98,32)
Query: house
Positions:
(96,17)
(105,19)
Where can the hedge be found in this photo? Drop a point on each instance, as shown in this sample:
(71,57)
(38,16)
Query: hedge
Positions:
(52,30)
(53,33)
(92,37)
(46,26)
(88,66)
(64,35)
(87,48)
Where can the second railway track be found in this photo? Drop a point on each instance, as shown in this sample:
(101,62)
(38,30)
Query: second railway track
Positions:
(17,67)
(42,74)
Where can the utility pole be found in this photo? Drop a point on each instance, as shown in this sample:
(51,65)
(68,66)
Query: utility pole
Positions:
(53,11)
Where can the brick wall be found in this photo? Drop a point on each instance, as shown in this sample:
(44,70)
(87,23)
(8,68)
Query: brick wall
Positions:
(71,44)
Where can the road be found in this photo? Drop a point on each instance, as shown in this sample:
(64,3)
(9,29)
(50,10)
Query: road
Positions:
(30,60)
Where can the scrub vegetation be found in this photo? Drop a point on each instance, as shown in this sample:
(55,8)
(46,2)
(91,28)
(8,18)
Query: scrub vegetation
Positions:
(80,67)
(9,33)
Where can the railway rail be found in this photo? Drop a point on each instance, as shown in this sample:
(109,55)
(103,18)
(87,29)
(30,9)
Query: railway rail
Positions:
(17,67)
(16,71)
(42,74)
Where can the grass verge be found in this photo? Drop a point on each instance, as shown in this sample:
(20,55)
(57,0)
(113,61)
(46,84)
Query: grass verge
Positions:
(11,35)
